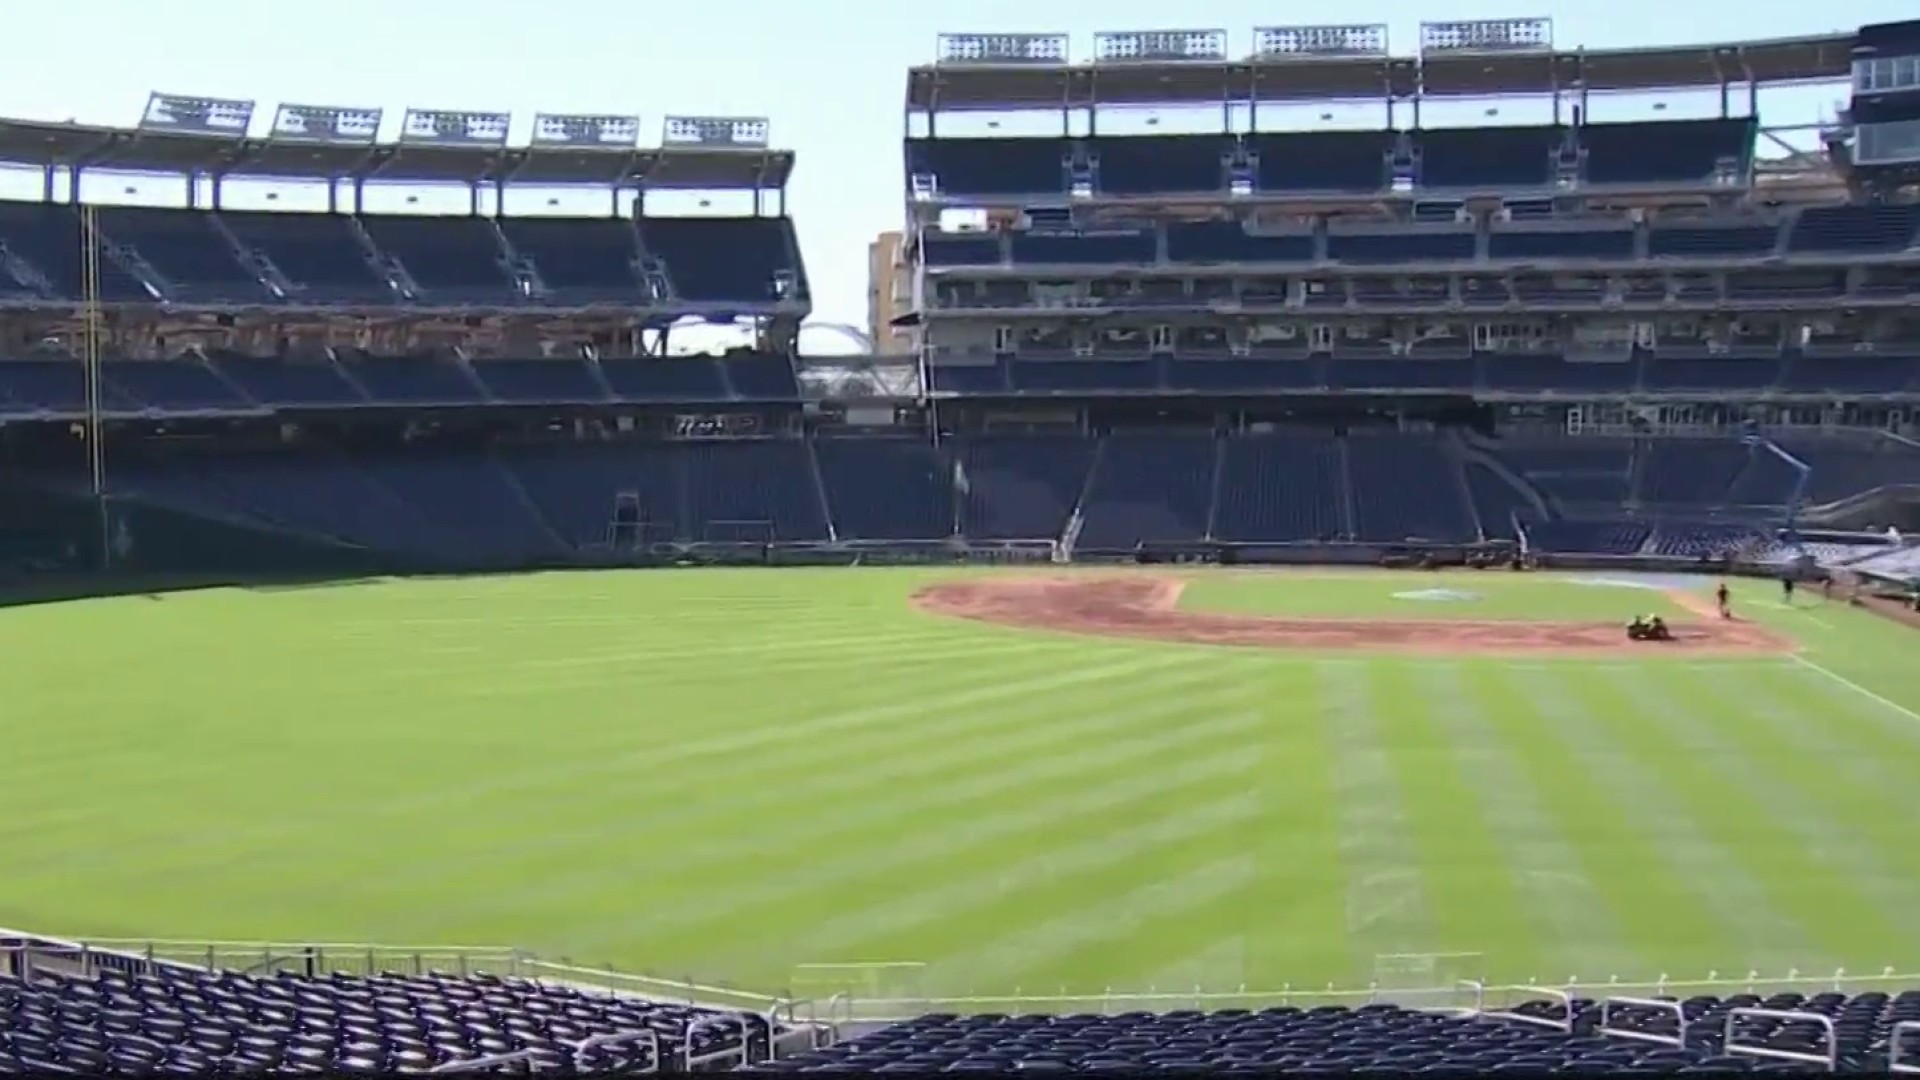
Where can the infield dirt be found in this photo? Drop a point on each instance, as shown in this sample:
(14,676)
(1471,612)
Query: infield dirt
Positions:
(1143,607)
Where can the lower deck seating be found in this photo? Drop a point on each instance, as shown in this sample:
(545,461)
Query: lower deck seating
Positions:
(1152,489)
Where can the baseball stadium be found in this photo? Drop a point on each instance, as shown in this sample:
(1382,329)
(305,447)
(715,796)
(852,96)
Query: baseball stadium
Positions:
(1258,597)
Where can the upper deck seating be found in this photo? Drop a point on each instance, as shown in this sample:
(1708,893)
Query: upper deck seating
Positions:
(1161,164)
(187,249)
(318,253)
(584,260)
(761,377)
(1486,157)
(989,166)
(47,238)
(53,386)
(1666,151)
(1333,161)
(668,379)
(726,260)
(412,380)
(184,385)
(309,382)
(453,260)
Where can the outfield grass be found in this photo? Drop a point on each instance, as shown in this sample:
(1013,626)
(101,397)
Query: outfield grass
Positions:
(729,774)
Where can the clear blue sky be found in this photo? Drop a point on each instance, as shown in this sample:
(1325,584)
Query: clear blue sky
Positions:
(830,78)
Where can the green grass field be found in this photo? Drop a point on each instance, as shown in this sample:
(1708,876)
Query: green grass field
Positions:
(729,775)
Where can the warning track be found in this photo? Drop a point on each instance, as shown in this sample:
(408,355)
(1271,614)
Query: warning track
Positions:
(1144,607)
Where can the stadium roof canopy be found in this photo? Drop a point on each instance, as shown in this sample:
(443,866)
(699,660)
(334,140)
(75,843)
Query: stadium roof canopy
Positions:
(1319,63)
(209,137)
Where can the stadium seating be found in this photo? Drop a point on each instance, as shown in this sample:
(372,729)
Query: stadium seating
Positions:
(180,1020)
(986,166)
(47,241)
(1021,487)
(887,488)
(320,256)
(1283,487)
(1330,1039)
(582,261)
(196,261)
(726,260)
(1149,489)
(449,260)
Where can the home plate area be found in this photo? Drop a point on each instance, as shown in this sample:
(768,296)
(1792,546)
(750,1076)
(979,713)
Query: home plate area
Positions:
(1141,607)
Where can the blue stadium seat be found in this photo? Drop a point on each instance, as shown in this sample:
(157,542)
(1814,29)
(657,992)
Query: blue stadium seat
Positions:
(187,249)
(579,260)
(453,260)
(412,380)
(987,166)
(176,386)
(1486,158)
(1161,164)
(887,488)
(1148,489)
(47,239)
(962,249)
(1613,244)
(1872,229)
(669,380)
(1666,151)
(318,253)
(726,260)
(1091,249)
(1332,161)
(760,377)
(1230,242)
(1706,241)
(553,381)
(1403,246)
(311,383)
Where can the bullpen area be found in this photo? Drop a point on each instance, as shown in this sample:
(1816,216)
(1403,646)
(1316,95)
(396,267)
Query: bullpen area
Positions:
(962,786)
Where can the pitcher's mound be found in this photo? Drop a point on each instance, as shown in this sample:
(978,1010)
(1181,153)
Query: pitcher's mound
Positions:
(1138,606)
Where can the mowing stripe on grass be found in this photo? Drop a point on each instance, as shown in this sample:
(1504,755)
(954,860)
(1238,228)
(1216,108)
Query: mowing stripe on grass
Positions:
(1387,909)
(1571,927)
(1643,739)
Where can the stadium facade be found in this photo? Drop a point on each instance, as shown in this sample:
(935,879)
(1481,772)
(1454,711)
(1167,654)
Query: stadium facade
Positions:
(1667,338)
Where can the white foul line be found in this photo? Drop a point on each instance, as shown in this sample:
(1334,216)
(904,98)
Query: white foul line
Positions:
(1855,687)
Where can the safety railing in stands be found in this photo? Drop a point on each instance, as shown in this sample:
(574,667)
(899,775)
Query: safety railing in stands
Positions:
(20,953)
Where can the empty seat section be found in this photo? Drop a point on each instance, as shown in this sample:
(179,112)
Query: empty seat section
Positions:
(1698,472)
(991,166)
(301,382)
(726,260)
(1368,374)
(575,489)
(1021,487)
(961,249)
(454,260)
(1573,471)
(667,379)
(1124,249)
(1851,374)
(1535,373)
(1876,229)
(183,385)
(887,488)
(1497,505)
(758,491)
(586,260)
(1595,537)
(1354,161)
(1407,486)
(318,253)
(1643,152)
(1399,247)
(1153,489)
(47,239)
(329,497)
(539,381)
(1489,157)
(1561,244)
(1088,376)
(187,249)
(1281,488)
(994,378)
(175,1020)
(1243,376)
(412,380)
(34,386)
(470,496)
(1230,242)
(761,378)
(1719,373)
(1711,241)
(1160,164)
